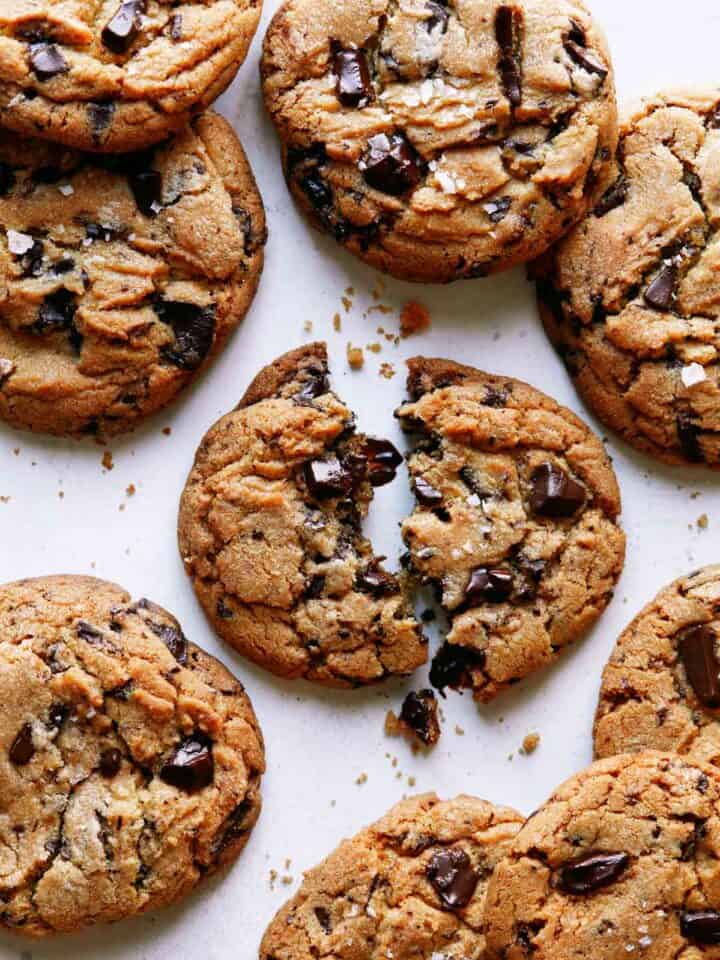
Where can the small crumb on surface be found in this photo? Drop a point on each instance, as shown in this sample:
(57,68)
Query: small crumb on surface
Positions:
(167,431)
(130,490)
(337,322)
(355,357)
(362,779)
(387,370)
(530,744)
(307,326)
(459,730)
(107,460)
(703,522)
(414,318)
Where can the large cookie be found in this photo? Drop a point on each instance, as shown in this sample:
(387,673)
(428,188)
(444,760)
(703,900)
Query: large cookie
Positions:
(118,75)
(130,759)
(410,887)
(270,533)
(441,140)
(631,298)
(623,861)
(516,522)
(120,276)
(661,688)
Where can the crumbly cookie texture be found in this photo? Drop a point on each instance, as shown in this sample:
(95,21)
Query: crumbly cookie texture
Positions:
(622,861)
(119,75)
(412,886)
(438,141)
(120,276)
(130,759)
(631,297)
(661,688)
(516,523)
(270,533)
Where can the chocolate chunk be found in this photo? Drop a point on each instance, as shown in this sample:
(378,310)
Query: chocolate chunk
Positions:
(223,610)
(554,493)
(591,873)
(63,266)
(383,459)
(353,84)
(7,179)
(314,386)
(119,33)
(497,209)
(390,164)
(689,437)
(373,579)
(176,27)
(314,588)
(323,918)
(507,34)
(56,312)
(698,652)
(614,196)
(489,586)
(471,481)
(328,478)
(146,186)
(453,666)
(661,292)
(194,329)
(89,633)
(173,638)
(56,715)
(439,16)
(453,876)
(317,191)
(32,261)
(110,762)
(702,926)
(23,749)
(192,767)
(100,115)
(426,494)
(47,61)
(584,58)
(419,712)
(47,175)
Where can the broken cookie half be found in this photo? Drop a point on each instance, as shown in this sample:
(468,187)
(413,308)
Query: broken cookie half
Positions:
(270,533)
(516,523)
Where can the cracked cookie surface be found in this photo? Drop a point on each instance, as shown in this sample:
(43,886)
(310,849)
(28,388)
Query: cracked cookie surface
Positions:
(661,687)
(439,140)
(631,297)
(130,759)
(516,523)
(120,276)
(623,860)
(411,886)
(117,75)
(270,533)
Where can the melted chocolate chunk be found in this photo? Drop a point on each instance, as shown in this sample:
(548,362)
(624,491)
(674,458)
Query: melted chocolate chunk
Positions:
(591,873)
(119,33)
(23,749)
(56,715)
(554,493)
(32,261)
(390,164)
(192,767)
(173,638)
(453,666)
(373,579)
(100,115)
(689,437)
(146,186)
(176,27)
(315,386)
(63,266)
(489,586)
(698,652)
(323,918)
(419,712)
(576,48)
(353,84)
(452,875)
(661,292)
(194,329)
(7,179)
(497,209)
(702,926)
(508,40)
(56,313)
(328,478)
(317,191)
(383,459)
(439,16)
(615,196)
(223,610)
(110,762)
(426,494)
(47,61)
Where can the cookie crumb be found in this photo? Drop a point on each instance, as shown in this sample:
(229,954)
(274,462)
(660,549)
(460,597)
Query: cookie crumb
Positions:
(414,318)
(459,730)
(362,779)
(418,718)
(337,322)
(130,490)
(530,744)
(374,347)
(307,326)
(387,370)
(392,724)
(167,431)
(703,522)
(4,499)
(107,460)
(347,303)
(355,357)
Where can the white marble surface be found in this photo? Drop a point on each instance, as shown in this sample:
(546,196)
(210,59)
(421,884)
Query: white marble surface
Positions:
(319,743)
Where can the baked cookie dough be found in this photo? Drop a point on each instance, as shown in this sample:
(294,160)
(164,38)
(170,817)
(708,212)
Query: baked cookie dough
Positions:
(516,523)
(130,759)
(631,298)
(441,140)
(118,75)
(120,276)
(270,533)
(623,861)
(410,887)
(661,688)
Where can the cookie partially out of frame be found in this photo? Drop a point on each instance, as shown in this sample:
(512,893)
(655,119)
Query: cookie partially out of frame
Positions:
(412,886)
(120,276)
(631,298)
(516,523)
(130,759)
(119,75)
(270,533)
(438,140)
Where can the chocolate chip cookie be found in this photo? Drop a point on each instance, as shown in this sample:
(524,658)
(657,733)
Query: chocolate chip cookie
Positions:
(516,523)
(622,861)
(631,297)
(119,75)
(130,759)
(661,688)
(440,140)
(410,887)
(120,276)
(270,533)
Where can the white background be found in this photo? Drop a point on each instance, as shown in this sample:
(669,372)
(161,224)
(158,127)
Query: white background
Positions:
(319,743)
